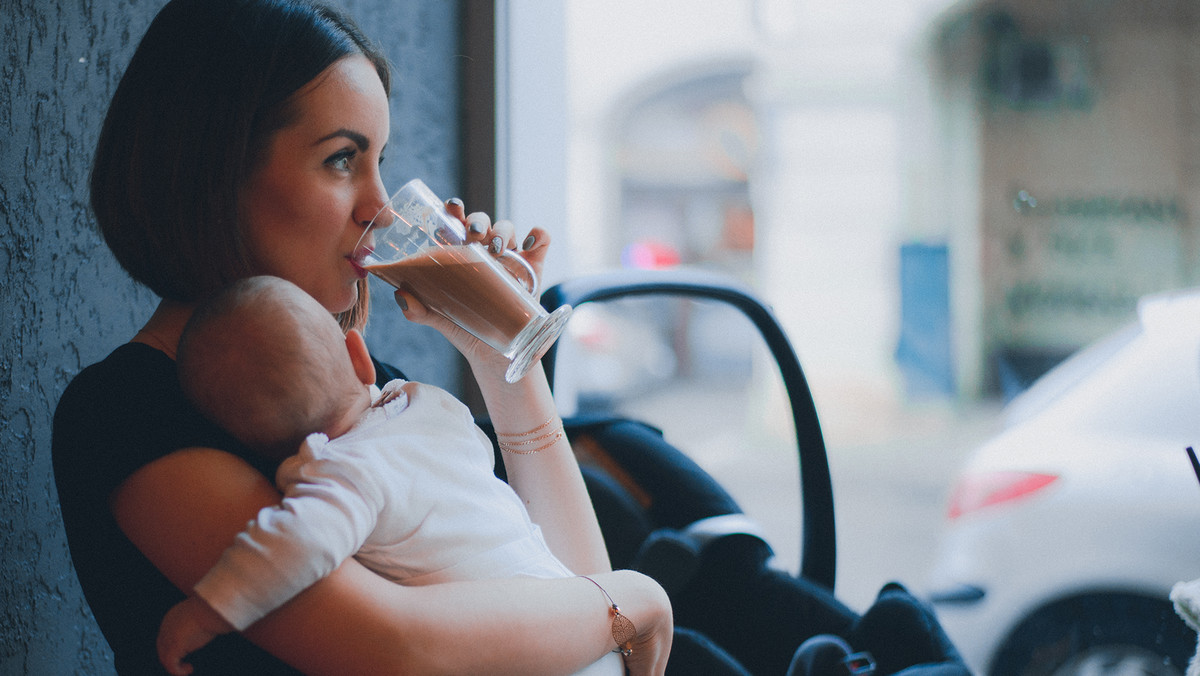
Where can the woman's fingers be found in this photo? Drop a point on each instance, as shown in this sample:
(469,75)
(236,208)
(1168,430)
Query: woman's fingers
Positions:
(478,225)
(535,244)
(468,345)
(500,235)
(534,247)
(496,236)
(416,312)
(455,208)
(503,236)
(413,309)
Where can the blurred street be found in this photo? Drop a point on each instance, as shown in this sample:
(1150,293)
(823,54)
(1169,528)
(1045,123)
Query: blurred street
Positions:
(700,372)
(890,494)
(891,471)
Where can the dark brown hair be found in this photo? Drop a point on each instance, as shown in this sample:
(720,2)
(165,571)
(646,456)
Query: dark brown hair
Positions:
(207,87)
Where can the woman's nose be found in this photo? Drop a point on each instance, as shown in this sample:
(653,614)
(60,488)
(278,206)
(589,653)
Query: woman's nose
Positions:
(373,201)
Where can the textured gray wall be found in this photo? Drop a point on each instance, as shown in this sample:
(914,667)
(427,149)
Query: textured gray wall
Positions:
(66,304)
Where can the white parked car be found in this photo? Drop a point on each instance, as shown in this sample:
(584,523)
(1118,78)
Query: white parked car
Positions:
(1066,532)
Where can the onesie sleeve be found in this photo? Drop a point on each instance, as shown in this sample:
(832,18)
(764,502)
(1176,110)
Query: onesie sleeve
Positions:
(329,508)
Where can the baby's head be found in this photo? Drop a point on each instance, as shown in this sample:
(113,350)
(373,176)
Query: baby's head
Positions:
(266,362)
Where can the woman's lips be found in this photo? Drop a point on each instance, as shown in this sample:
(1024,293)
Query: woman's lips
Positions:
(356,263)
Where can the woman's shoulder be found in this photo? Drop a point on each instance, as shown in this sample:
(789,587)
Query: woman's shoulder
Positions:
(124,412)
(115,417)
(97,395)
(130,366)
(129,386)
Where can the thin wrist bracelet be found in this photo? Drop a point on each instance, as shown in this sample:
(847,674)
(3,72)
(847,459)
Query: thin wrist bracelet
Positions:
(623,631)
(512,447)
(539,428)
(517,443)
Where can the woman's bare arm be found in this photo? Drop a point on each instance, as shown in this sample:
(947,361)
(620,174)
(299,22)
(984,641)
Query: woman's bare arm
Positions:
(549,481)
(182,511)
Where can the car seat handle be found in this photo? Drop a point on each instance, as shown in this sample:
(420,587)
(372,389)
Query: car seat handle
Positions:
(818,556)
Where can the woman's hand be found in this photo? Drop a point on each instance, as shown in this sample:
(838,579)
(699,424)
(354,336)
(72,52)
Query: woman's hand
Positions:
(497,237)
(501,235)
(646,604)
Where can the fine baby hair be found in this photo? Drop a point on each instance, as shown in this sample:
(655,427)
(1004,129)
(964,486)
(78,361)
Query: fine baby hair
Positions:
(265,361)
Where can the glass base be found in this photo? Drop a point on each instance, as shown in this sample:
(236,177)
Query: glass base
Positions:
(535,341)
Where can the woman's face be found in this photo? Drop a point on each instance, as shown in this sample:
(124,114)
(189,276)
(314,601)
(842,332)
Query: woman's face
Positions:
(319,185)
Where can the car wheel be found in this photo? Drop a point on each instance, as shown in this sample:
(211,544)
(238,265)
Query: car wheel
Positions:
(1099,634)
(1117,660)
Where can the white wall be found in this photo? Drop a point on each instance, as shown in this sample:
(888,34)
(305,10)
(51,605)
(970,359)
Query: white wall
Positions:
(829,85)
(532,124)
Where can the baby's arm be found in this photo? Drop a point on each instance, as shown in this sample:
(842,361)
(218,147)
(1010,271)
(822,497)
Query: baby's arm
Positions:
(186,628)
(328,510)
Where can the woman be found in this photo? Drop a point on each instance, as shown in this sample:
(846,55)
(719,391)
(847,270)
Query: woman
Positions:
(245,138)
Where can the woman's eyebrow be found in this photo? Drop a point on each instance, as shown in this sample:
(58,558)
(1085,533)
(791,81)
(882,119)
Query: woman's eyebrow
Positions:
(359,140)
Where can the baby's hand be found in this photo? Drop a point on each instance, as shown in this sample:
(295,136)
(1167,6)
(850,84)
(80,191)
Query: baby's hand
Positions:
(186,628)
(391,392)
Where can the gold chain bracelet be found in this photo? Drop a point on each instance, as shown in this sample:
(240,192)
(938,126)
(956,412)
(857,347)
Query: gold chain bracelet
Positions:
(623,631)
(518,443)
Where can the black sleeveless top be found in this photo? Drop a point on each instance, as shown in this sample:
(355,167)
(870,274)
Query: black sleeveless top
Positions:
(114,418)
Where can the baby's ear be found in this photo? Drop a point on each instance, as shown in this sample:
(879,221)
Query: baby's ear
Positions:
(360,357)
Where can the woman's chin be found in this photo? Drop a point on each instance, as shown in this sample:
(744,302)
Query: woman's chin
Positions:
(341,301)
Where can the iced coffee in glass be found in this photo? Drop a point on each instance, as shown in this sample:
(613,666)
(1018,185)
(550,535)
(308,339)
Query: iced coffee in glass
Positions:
(416,246)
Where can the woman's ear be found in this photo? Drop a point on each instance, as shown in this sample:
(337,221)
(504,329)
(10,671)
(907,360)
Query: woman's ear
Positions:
(360,357)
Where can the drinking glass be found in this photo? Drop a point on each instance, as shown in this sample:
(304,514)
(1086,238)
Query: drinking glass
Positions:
(416,246)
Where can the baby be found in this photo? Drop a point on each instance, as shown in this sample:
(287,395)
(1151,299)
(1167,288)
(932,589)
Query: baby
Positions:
(400,478)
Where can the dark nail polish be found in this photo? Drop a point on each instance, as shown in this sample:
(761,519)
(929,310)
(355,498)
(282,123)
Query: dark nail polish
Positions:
(528,243)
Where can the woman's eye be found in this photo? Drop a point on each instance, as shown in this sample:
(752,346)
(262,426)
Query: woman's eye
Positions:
(341,160)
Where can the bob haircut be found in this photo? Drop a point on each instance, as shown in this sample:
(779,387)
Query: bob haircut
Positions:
(207,87)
